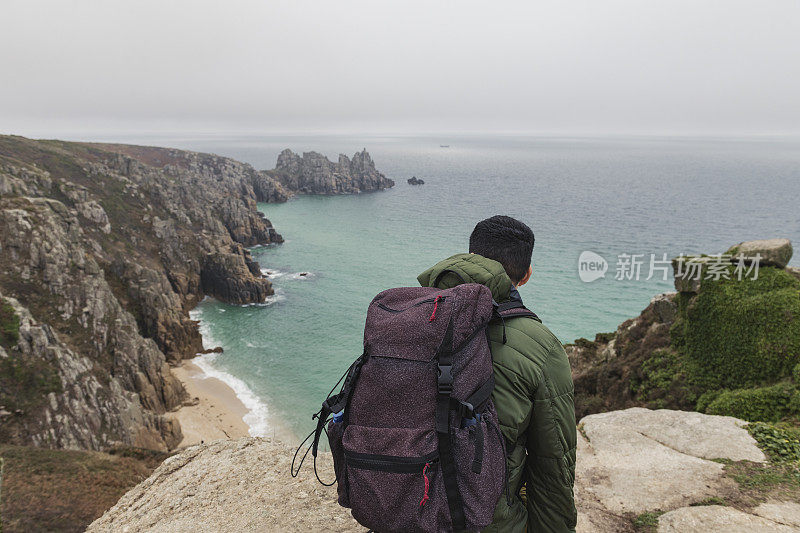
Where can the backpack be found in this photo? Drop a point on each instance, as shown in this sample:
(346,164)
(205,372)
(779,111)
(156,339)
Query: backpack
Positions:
(414,434)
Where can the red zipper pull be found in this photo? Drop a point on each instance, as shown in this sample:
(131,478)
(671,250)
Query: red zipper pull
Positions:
(435,305)
(427,485)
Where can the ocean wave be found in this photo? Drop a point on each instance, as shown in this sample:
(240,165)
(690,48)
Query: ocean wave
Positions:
(271,273)
(257,417)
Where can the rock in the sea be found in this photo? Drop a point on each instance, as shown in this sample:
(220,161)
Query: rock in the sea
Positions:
(313,173)
(413,180)
(773,252)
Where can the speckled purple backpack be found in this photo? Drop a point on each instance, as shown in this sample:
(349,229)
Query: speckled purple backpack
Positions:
(414,434)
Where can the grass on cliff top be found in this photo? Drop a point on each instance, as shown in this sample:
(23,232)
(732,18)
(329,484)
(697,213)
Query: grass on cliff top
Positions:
(647,522)
(741,334)
(64,490)
(735,350)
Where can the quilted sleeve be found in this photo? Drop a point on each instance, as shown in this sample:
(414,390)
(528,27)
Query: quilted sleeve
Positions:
(551,444)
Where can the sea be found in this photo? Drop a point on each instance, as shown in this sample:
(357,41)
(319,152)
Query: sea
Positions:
(630,201)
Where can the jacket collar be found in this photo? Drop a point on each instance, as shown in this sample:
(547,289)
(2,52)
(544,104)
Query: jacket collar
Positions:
(472,268)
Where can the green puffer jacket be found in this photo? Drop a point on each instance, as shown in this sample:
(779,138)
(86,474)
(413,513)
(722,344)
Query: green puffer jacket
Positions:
(533,396)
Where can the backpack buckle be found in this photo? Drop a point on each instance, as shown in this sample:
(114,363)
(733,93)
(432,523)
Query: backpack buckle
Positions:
(466,410)
(444,381)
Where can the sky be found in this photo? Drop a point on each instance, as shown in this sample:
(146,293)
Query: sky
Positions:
(723,67)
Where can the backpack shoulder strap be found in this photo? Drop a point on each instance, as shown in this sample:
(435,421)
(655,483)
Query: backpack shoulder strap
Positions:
(514,309)
(443,273)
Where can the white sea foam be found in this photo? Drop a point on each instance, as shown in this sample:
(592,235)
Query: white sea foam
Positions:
(273,299)
(273,273)
(257,418)
(302,276)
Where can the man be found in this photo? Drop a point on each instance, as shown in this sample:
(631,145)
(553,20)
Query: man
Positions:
(533,391)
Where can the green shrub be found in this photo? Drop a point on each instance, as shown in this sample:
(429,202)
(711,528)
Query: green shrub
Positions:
(794,402)
(647,521)
(706,398)
(781,443)
(741,333)
(796,373)
(658,373)
(605,337)
(664,380)
(761,404)
(585,343)
(9,325)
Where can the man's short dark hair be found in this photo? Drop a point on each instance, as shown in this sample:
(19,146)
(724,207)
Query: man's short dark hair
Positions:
(506,240)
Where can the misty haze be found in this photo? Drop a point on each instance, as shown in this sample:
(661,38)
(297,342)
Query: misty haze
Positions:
(548,246)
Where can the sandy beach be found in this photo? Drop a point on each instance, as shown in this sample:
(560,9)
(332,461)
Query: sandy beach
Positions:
(217,411)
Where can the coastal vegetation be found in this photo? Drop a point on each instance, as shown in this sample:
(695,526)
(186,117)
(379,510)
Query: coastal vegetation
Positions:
(64,490)
(724,346)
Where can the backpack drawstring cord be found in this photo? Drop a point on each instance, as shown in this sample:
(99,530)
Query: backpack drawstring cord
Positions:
(435,306)
(427,485)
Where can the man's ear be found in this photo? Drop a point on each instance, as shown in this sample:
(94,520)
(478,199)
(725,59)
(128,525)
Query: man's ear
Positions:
(527,277)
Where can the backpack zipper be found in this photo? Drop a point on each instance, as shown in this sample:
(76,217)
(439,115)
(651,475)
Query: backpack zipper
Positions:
(390,463)
(428,301)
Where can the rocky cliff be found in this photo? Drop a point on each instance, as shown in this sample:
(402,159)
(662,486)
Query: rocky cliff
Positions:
(313,173)
(637,470)
(720,344)
(104,249)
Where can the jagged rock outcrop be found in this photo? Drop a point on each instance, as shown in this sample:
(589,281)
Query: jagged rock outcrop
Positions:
(313,173)
(413,180)
(689,271)
(231,277)
(771,252)
(629,462)
(269,189)
(106,248)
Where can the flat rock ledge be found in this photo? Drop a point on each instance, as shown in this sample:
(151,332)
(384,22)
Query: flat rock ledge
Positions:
(778,517)
(230,485)
(629,462)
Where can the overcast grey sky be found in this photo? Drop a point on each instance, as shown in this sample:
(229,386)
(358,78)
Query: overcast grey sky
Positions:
(594,66)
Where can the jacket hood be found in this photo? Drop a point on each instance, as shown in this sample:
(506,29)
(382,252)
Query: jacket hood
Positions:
(473,268)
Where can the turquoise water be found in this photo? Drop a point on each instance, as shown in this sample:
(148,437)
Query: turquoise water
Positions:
(636,196)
